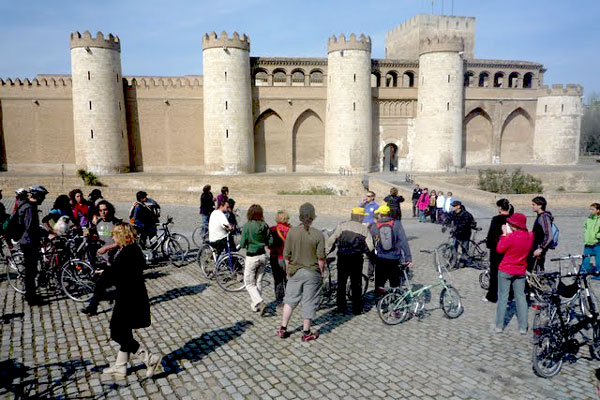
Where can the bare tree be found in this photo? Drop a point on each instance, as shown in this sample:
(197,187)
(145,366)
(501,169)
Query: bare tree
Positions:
(590,125)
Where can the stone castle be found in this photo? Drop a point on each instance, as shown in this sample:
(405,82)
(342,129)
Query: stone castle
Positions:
(429,105)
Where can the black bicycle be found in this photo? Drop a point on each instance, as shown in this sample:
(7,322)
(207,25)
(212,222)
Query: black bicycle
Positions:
(558,324)
(329,286)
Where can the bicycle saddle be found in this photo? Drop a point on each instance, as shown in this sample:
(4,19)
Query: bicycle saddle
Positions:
(567,290)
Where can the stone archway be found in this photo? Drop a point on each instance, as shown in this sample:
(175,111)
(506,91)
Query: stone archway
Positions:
(516,140)
(308,141)
(390,157)
(269,143)
(477,138)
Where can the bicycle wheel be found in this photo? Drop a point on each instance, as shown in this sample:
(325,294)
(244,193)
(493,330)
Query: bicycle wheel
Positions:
(595,346)
(206,261)
(173,251)
(478,255)
(484,280)
(229,273)
(546,356)
(451,303)
(197,237)
(77,280)
(393,308)
(364,287)
(182,240)
(15,271)
(448,256)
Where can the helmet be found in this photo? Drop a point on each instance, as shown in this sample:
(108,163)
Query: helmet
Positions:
(383,210)
(38,191)
(358,211)
(21,193)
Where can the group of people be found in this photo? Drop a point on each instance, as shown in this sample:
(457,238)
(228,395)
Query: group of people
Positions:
(115,241)
(432,204)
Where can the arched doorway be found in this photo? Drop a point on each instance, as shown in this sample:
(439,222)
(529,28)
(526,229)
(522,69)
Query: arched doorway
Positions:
(516,143)
(477,139)
(390,158)
(308,143)
(269,141)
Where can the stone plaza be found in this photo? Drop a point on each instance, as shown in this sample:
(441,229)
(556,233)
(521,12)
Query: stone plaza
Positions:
(214,347)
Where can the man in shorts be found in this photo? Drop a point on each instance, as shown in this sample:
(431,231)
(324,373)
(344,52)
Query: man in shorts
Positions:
(304,253)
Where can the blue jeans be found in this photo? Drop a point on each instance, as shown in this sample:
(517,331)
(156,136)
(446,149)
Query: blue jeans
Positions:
(204,225)
(422,216)
(591,251)
(505,281)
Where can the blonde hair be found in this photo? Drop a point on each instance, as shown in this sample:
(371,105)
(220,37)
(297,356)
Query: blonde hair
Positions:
(282,217)
(124,234)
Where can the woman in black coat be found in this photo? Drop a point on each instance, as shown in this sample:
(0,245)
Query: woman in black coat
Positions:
(505,210)
(132,307)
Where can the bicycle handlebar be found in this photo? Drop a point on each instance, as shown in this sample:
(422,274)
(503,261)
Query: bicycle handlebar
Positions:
(570,257)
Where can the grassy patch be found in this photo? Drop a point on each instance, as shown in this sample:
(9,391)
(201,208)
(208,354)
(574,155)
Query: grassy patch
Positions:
(315,190)
(89,178)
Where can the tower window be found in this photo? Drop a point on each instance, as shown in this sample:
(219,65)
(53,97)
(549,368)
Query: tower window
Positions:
(117,78)
(90,104)
(122,135)
(448,106)
(225,76)
(562,108)
(546,108)
(226,105)
(227,133)
(354,106)
(92,133)
(89,75)
(354,77)
(119,106)
(421,106)
(448,78)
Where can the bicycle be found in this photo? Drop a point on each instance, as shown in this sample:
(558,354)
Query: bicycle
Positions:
(170,244)
(554,335)
(199,238)
(228,267)
(328,296)
(475,252)
(395,307)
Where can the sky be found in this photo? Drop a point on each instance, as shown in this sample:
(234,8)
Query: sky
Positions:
(165,37)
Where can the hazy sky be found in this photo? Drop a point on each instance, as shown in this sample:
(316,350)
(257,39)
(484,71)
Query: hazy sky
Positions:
(165,37)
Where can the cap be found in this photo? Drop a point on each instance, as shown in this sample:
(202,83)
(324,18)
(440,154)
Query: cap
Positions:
(307,210)
(456,203)
(519,220)
(358,211)
(383,209)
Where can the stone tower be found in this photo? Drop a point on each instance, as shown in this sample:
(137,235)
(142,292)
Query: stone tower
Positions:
(228,132)
(438,140)
(99,122)
(349,124)
(557,125)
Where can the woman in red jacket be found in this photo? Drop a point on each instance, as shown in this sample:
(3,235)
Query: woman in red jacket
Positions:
(515,243)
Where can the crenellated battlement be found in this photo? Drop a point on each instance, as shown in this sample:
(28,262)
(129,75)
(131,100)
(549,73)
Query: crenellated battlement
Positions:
(211,40)
(558,89)
(164,82)
(352,43)
(87,40)
(437,21)
(35,83)
(441,43)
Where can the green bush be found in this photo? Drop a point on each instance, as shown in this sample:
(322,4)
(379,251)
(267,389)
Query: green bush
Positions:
(319,190)
(500,181)
(89,178)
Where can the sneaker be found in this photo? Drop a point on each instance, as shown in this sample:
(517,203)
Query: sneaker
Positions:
(485,300)
(498,330)
(523,331)
(261,308)
(90,310)
(283,333)
(312,335)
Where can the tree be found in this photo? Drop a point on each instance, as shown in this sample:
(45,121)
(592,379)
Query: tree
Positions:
(590,125)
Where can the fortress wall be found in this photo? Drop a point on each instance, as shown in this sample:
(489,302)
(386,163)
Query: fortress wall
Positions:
(165,126)
(37,124)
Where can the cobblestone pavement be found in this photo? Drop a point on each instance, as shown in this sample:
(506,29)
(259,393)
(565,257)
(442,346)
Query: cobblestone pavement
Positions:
(215,347)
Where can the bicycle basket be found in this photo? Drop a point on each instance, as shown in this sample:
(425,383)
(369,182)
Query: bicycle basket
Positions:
(567,291)
(541,284)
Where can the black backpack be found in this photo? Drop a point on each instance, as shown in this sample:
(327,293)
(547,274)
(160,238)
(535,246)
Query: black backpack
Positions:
(12,228)
(351,243)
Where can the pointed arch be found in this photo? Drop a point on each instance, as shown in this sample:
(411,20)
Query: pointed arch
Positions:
(308,142)
(516,138)
(477,137)
(269,141)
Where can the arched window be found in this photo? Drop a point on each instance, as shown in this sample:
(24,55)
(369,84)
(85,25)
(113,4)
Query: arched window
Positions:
(499,79)
(279,77)
(375,79)
(408,79)
(469,78)
(260,78)
(298,78)
(513,80)
(391,79)
(528,80)
(316,78)
(484,79)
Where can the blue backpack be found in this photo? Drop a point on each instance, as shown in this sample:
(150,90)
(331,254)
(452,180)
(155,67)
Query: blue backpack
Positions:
(555,236)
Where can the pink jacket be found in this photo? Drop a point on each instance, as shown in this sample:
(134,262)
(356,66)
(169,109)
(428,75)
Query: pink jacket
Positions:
(423,201)
(516,247)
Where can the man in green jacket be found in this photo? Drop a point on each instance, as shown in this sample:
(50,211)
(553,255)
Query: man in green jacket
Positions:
(592,240)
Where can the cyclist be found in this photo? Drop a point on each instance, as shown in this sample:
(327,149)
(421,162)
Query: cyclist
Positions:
(352,239)
(28,222)
(591,236)
(542,232)
(144,216)
(218,228)
(505,210)
(463,223)
(80,208)
(207,206)
(391,248)
(60,208)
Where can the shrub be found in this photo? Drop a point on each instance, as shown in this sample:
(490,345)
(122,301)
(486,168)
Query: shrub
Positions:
(500,181)
(318,190)
(89,178)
